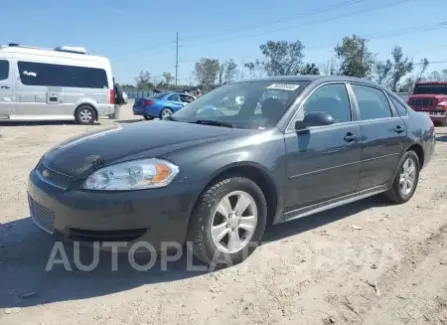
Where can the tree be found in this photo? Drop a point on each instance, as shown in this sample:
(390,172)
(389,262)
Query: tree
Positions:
(254,68)
(383,70)
(356,59)
(231,70)
(282,58)
(401,67)
(127,87)
(438,75)
(424,66)
(206,71)
(409,83)
(168,78)
(227,71)
(143,81)
(310,69)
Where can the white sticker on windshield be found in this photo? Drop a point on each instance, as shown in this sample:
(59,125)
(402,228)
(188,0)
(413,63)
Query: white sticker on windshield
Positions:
(287,87)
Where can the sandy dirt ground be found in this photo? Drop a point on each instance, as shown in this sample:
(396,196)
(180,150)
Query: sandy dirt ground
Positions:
(365,263)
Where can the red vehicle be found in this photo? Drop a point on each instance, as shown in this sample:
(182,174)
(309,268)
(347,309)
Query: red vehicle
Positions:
(431,97)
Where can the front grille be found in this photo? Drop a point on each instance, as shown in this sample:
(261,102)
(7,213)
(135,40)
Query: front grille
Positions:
(105,235)
(41,216)
(426,102)
(52,177)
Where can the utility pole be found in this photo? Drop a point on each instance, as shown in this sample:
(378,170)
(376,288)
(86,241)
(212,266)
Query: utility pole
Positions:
(176,61)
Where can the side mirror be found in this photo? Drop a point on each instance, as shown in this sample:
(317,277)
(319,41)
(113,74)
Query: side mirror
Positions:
(314,119)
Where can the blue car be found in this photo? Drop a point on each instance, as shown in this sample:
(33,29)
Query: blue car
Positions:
(161,105)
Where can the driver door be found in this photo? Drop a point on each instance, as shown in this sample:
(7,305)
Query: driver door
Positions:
(323,163)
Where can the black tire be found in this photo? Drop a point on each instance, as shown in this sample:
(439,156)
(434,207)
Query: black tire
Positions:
(85,114)
(396,194)
(199,233)
(147,117)
(166,110)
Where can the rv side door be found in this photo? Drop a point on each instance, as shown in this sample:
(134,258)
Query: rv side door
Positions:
(7,104)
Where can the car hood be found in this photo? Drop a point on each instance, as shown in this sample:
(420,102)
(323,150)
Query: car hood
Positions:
(83,154)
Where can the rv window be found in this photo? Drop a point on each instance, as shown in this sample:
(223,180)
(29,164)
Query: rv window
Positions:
(4,69)
(42,74)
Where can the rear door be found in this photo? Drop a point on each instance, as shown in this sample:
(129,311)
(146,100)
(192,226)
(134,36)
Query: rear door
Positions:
(383,134)
(7,104)
(323,163)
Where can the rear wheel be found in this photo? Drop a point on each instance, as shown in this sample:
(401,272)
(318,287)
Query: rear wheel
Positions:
(406,179)
(147,117)
(85,114)
(165,113)
(228,222)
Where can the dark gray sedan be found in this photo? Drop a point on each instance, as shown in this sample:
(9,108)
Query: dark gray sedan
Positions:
(216,176)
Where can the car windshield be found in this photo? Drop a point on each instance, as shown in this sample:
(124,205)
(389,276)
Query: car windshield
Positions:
(247,105)
(430,88)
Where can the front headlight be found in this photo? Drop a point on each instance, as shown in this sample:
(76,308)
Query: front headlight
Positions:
(132,175)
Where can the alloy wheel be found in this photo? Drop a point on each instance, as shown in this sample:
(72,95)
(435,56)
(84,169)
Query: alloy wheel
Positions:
(234,222)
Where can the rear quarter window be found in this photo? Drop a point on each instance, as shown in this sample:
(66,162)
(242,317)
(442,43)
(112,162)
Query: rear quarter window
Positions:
(401,109)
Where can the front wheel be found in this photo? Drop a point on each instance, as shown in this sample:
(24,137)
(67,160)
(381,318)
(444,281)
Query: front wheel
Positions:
(406,179)
(228,221)
(165,113)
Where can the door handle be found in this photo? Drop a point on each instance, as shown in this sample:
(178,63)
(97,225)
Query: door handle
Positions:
(5,87)
(399,129)
(349,137)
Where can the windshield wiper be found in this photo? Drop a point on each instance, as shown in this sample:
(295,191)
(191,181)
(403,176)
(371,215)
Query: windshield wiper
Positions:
(214,123)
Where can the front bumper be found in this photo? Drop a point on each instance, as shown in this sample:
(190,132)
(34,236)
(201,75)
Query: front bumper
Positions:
(153,216)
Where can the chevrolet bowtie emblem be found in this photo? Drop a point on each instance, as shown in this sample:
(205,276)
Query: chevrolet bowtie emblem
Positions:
(46,173)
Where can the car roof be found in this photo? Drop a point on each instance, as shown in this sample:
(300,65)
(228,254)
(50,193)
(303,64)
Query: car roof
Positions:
(310,78)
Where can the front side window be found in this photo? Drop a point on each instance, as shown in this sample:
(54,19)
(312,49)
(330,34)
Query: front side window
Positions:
(4,69)
(56,75)
(333,99)
(372,103)
(250,105)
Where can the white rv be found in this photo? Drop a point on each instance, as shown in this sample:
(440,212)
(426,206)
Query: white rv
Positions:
(64,83)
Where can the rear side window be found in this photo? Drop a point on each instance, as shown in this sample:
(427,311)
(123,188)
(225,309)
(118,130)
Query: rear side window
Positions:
(174,98)
(400,108)
(43,74)
(4,69)
(372,102)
